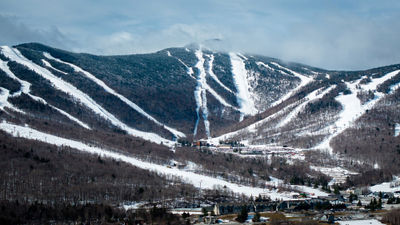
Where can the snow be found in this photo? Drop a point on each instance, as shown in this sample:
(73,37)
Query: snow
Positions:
(243,96)
(360,222)
(338,174)
(304,80)
(212,74)
(352,107)
(113,92)
(392,186)
(200,94)
(4,94)
(25,88)
(397,130)
(265,65)
(309,190)
(50,66)
(200,181)
(301,188)
(15,55)
(317,94)
(252,128)
(189,70)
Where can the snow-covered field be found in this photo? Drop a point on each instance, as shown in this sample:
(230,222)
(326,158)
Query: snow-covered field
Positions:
(338,174)
(392,186)
(198,180)
(313,192)
(361,222)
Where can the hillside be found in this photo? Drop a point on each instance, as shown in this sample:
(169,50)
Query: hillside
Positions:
(142,112)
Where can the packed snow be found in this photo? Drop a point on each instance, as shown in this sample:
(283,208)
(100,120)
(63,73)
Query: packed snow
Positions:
(352,107)
(189,70)
(212,74)
(275,182)
(338,174)
(360,222)
(25,88)
(200,94)
(14,55)
(243,96)
(392,186)
(317,94)
(113,92)
(4,94)
(265,65)
(304,80)
(200,181)
(50,66)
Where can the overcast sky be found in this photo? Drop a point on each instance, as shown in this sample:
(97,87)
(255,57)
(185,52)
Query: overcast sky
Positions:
(332,34)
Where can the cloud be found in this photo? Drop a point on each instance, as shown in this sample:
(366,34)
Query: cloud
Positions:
(13,32)
(330,34)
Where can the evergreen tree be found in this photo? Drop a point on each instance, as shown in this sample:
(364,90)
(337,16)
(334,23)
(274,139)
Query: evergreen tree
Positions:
(242,217)
(359,203)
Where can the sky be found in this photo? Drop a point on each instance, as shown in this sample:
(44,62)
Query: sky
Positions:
(330,34)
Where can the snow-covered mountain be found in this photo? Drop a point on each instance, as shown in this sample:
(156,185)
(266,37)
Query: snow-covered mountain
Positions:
(134,109)
(194,93)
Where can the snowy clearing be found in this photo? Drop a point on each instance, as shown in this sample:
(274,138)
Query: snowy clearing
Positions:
(338,174)
(197,180)
(397,130)
(243,96)
(392,186)
(360,222)
(113,92)
(301,188)
(15,55)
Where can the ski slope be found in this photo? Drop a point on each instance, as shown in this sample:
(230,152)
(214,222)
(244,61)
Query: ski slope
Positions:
(25,88)
(200,181)
(352,106)
(200,94)
(58,83)
(46,63)
(304,80)
(392,186)
(113,92)
(4,94)
(243,94)
(212,74)
(315,95)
